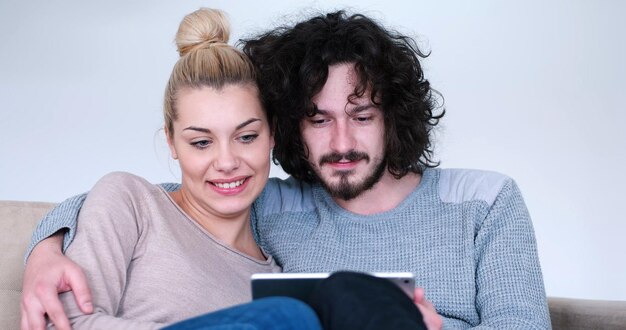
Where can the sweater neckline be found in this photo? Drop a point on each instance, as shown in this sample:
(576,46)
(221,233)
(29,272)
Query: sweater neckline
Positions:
(267,262)
(429,177)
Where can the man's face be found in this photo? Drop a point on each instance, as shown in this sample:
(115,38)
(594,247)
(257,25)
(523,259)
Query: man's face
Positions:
(345,140)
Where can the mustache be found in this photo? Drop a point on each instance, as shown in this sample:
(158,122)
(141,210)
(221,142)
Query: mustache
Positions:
(351,156)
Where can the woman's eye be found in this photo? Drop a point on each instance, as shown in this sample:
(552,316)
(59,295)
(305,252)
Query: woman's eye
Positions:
(202,144)
(249,138)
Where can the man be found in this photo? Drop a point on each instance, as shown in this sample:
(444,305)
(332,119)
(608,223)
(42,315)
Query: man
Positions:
(353,115)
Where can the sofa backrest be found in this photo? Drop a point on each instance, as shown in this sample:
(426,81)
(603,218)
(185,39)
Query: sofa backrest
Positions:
(17,222)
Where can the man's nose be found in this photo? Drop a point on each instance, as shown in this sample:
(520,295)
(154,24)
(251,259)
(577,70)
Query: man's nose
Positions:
(342,137)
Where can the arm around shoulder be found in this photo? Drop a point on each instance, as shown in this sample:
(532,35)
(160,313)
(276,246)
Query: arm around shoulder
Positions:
(104,246)
(48,271)
(64,219)
(61,219)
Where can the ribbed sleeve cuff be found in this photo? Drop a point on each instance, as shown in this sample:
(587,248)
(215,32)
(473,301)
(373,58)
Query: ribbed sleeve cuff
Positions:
(63,216)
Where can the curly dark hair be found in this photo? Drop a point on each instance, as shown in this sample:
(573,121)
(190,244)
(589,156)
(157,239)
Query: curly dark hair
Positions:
(292,65)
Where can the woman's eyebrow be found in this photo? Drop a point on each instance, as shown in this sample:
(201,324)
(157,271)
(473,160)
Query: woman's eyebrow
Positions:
(247,122)
(199,129)
(206,130)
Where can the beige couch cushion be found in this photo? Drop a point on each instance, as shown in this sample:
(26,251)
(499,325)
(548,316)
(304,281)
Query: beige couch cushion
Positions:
(582,314)
(17,222)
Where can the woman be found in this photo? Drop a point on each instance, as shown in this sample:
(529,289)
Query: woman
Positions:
(153,257)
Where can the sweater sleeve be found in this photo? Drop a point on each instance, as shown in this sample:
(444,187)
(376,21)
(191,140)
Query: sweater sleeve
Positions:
(64,216)
(104,245)
(510,290)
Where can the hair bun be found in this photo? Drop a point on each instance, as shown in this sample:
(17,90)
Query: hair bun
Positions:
(201,29)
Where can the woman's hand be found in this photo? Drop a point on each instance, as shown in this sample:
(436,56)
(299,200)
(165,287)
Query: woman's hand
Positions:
(48,272)
(432,320)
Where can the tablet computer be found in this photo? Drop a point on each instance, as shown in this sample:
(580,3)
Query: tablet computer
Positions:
(301,285)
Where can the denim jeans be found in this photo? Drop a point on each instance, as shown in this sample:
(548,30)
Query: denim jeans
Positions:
(279,313)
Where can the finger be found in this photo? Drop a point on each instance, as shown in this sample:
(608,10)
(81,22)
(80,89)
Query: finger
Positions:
(428,304)
(423,310)
(418,295)
(80,288)
(52,306)
(33,315)
(23,319)
(430,317)
(432,320)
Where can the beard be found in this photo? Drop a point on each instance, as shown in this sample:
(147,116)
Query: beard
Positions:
(345,189)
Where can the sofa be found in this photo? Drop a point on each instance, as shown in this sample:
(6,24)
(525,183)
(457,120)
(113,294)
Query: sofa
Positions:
(19,218)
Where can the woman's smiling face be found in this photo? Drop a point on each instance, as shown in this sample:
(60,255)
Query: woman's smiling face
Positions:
(222,140)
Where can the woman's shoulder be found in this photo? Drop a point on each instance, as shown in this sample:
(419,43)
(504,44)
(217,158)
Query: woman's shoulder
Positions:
(124,179)
(123,184)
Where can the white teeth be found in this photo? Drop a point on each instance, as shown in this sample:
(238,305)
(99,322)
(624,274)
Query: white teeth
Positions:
(229,185)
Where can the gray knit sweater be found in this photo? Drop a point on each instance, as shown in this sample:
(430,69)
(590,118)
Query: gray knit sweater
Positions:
(465,234)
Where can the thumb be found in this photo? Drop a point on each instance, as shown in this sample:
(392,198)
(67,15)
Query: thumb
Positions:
(418,295)
(77,280)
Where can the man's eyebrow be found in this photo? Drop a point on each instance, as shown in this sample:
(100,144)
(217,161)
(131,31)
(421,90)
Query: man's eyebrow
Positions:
(320,111)
(361,108)
(356,109)
(206,130)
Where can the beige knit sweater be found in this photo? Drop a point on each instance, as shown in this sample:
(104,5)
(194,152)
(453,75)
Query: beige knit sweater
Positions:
(147,263)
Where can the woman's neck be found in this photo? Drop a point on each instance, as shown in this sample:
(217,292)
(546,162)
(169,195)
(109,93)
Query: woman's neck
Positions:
(233,231)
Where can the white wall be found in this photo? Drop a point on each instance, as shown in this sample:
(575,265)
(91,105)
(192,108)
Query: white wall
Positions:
(532,89)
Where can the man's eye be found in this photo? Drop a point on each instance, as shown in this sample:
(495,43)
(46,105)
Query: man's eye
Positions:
(249,138)
(363,119)
(202,144)
(318,121)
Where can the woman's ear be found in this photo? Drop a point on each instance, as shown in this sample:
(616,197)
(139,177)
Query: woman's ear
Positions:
(170,143)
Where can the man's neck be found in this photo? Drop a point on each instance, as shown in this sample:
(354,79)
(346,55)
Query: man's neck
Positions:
(385,195)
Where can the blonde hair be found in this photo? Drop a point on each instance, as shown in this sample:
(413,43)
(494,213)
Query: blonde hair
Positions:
(206,59)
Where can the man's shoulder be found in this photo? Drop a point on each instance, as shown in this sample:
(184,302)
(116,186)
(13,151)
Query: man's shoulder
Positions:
(286,195)
(287,183)
(462,185)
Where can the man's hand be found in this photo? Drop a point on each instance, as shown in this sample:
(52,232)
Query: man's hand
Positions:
(48,272)
(432,320)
